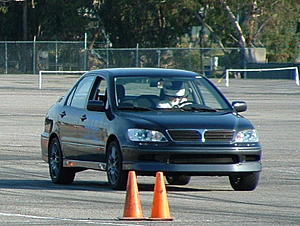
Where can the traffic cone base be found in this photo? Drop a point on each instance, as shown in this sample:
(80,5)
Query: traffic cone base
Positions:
(133,207)
(160,205)
(132,218)
(161,219)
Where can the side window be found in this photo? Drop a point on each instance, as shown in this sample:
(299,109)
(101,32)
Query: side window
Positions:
(82,92)
(70,97)
(102,95)
(99,90)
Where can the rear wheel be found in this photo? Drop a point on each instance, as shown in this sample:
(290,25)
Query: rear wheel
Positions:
(246,182)
(116,176)
(58,173)
(178,179)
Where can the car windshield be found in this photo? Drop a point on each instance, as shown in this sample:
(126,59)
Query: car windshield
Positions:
(145,93)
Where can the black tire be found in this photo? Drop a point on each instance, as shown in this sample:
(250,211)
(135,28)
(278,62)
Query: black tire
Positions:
(178,179)
(245,182)
(58,173)
(116,176)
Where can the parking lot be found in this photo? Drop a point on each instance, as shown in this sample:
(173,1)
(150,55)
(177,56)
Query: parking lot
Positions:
(28,197)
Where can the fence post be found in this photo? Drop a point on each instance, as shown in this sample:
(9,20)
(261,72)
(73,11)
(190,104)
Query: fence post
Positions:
(56,56)
(34,55)
(137,55)
(244,61)
(297,76)
(190,57)
(85,51)
(202,61)
(158,58)
(107,52)
(6,59)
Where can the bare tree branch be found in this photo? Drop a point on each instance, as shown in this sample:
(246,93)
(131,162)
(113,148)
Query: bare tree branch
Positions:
(211,30)
(262,26)
(242,40)
(233,38)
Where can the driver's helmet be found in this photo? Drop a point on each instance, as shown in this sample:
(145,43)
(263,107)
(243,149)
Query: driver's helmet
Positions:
(174,89)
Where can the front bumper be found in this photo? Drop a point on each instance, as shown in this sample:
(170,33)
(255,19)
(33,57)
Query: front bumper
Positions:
(193,160)
(44,146)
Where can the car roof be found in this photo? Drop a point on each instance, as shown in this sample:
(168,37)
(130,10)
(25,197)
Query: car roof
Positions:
(152,72)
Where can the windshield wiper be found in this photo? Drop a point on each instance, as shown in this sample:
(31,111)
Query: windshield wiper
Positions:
(197,107)
(133,108)
(224,109)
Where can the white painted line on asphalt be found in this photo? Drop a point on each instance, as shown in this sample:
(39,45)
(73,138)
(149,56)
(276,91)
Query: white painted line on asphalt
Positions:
(21,114)
(12,145)
(281,171)
(62,219)
(286,171)
(20,134)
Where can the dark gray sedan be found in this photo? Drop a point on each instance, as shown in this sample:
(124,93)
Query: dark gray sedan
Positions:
(150,120)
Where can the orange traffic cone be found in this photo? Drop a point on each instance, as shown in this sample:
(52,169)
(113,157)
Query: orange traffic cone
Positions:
(160,205)
(133,207)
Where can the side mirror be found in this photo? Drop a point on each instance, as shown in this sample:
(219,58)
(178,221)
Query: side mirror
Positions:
(239,106)
(96,105)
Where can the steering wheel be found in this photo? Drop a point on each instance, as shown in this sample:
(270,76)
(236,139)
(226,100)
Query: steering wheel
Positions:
(184,103)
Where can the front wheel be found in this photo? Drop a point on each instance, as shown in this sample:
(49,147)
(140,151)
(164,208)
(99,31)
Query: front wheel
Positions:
(58,173)
(116,176)
(178,179)
(246,182)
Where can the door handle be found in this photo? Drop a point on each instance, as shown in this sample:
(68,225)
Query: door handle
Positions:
(83,118)
(63,114)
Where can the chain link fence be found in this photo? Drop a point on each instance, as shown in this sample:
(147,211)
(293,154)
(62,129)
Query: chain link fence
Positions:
(210,61)
(31,57)
(24,57)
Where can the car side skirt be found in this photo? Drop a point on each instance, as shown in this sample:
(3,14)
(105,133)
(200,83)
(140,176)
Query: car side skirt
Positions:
(44,146)
(191,169)
(85,164)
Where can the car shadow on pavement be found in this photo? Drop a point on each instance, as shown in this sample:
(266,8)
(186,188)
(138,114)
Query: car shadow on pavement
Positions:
(184,188)
(88,186)
(48,185)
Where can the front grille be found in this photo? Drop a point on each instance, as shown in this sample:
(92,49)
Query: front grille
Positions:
(191,158)
(204,159)
(185,135)
(189,135)
(218,135)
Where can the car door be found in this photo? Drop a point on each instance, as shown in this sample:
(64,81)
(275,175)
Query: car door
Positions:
(93,133)
(70,118)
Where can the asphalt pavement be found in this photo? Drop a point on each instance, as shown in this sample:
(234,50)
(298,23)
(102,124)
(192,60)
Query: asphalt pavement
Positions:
(27,196)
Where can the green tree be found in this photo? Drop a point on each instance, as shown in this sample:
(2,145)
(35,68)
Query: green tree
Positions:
(160,23)
(151,23)
(60,19)
(254,23)
(47,20)
(11,21)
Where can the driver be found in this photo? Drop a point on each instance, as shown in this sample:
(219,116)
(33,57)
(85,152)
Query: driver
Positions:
(173,94)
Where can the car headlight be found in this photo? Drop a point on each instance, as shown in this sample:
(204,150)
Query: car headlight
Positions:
(145,135)
(246,136)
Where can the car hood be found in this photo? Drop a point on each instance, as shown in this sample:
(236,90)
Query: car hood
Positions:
(187,120)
